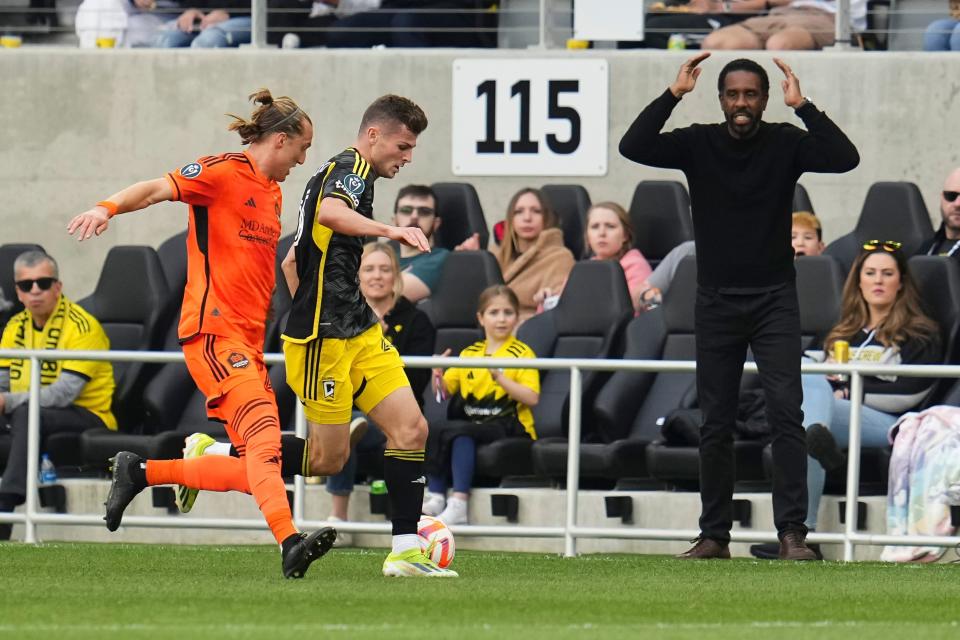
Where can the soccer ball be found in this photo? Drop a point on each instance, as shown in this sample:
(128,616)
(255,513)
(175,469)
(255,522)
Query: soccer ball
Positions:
(436,540)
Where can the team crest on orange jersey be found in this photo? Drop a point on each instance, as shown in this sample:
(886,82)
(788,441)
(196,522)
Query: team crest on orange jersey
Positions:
(237,360)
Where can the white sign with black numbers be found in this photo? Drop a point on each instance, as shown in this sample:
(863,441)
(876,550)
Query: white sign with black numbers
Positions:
(543,117)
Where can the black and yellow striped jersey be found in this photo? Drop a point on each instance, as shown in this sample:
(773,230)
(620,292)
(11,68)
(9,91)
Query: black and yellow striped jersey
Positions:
(328,303)
(483,398)
(69,328)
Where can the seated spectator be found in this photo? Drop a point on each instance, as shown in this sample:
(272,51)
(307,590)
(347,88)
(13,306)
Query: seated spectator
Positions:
(806,235)
(416,206)
(533,259)
(882,321)
(946,240)
(790,25)
(409,23)
(489,404)
(208,24)
(76,394)
(131,23)
(610,237)
(944,34)
(693,20)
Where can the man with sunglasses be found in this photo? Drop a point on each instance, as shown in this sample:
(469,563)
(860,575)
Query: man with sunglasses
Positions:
(946,240)
(75,395)
(416,206)
(742,174)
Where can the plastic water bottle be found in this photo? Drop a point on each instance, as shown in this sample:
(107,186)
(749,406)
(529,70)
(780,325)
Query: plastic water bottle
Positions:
(48,472)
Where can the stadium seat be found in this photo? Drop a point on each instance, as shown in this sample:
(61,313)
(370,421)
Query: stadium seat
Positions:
(132,318)
(801,200)
(938,280)
(570,202)
(462,214)
(891,211)
(660,216)
(589,319)
(9,253)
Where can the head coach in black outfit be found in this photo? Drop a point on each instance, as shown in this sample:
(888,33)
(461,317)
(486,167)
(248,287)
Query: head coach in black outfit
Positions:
(742,174)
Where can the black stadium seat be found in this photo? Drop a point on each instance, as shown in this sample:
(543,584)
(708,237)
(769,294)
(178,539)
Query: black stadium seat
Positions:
(462,215)
(660,216)
(130,302)
(588,322)
(891,211)
(570,202)
(801,200)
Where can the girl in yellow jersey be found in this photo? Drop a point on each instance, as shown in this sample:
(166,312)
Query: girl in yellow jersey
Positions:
(489,404)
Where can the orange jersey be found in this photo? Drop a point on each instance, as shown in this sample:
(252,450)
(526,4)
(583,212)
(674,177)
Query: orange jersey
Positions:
(231,246)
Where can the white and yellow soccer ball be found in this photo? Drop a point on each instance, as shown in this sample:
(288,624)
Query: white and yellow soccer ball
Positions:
(436,540)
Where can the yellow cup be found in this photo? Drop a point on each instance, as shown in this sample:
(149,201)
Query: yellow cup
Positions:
(578,44)
(106,43)
(10,42)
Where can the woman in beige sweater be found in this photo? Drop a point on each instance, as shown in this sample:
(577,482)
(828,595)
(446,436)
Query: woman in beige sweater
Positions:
(532,257)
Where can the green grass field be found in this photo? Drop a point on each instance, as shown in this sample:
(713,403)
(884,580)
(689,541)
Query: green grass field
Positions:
(68,591)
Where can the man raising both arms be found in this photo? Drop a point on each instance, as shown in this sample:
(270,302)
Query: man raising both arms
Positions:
(335,352)
(230,280)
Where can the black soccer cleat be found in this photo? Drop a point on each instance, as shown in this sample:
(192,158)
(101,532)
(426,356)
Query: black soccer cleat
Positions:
(309,548)
(123,487)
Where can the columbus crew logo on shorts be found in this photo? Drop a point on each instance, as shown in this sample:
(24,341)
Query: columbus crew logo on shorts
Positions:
(328,388)
(237,360)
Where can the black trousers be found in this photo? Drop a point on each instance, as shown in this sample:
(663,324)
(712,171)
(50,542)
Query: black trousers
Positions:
(71,419)
(769,323)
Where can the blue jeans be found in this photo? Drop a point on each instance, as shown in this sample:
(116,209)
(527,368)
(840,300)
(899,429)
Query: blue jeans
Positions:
(341,484)
(229,33)
(821,407)
(942,35)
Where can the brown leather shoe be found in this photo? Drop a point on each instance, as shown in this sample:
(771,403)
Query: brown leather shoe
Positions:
(706,548)
(793,546)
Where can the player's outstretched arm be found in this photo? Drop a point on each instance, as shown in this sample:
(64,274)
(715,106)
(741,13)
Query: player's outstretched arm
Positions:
(289,269)
(335,214)
(687,77)
(135,197)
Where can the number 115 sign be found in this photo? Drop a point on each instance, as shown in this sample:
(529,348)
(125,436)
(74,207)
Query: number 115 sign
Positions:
(542,117)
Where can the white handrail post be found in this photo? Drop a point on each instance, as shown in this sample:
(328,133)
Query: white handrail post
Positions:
(573,462)
(258,23)
(853,466)
(33,450)
(542,31)
(299,485)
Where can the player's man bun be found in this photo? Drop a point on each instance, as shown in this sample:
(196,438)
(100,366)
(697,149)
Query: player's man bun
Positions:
(274,115)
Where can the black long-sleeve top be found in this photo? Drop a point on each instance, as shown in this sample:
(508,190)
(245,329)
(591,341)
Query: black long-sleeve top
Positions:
(741,190)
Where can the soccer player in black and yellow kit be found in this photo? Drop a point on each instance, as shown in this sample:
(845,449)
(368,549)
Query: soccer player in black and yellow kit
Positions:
(336,355)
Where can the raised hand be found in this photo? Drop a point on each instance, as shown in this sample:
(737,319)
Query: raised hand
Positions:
(88,223)
(792,96)
(687,77)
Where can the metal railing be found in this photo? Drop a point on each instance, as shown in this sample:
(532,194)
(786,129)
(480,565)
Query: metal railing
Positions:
(537,24)
(570,531)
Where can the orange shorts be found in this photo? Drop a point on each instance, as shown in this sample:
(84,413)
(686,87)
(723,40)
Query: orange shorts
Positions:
(218,364)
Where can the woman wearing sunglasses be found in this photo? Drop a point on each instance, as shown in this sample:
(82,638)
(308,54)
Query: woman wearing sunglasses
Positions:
(882,321)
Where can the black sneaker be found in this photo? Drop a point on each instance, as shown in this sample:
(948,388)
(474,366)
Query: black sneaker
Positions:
(822,447)
(124,487)
(310,547)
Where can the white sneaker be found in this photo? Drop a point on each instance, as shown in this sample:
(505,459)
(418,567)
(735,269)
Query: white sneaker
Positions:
(343,539)
(455,513)
(358,429)
(433,503)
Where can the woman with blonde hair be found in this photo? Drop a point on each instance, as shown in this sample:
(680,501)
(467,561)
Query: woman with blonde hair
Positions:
(533,259)
(609,235)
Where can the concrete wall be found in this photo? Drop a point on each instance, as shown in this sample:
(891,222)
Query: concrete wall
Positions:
(80,125)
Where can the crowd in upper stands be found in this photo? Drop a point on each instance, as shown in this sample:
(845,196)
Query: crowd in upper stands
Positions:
(692,24)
